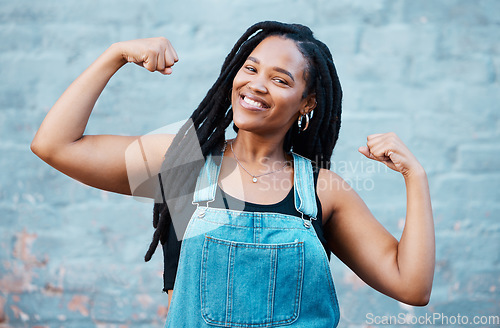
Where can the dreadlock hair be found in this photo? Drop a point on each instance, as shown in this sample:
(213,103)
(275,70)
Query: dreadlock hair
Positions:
(206,127)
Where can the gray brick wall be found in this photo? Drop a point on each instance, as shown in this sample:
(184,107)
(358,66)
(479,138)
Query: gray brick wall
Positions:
(72,256)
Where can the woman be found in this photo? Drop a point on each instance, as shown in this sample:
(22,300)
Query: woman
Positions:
(266,209)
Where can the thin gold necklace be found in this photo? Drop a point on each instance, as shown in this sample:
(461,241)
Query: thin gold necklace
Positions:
(254,177)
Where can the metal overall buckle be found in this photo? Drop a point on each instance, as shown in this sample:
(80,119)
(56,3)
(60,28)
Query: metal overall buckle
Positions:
(202,209)
(308,223)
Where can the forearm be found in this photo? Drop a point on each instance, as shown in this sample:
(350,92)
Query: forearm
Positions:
(67,119)
(416,249)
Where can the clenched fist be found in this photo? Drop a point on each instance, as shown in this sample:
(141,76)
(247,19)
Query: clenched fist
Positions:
(155,54)
(390,150)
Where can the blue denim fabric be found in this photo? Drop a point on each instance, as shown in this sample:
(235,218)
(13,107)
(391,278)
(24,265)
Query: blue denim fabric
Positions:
(253,269)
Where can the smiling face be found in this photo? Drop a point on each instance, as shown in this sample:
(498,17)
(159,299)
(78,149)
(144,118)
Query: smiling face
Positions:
(268,89)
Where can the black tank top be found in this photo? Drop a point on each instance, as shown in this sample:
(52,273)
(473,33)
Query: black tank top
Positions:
(171,249)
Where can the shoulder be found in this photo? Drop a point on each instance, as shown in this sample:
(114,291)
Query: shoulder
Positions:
(330,188)
(330,178)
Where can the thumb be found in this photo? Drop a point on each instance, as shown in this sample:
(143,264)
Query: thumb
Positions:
(166,71)
(364,150)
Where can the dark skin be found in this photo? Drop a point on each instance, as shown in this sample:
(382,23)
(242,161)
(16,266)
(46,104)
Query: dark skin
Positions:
(267,98)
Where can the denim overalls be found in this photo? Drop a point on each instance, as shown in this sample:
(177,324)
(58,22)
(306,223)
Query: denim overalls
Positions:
(251,269)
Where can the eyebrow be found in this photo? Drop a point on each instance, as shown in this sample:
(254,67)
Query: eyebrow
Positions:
(278,69)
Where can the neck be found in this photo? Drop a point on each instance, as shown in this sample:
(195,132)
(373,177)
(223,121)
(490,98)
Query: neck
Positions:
(254,149)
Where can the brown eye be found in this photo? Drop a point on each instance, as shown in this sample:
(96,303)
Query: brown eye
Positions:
(251,69)
(281,81)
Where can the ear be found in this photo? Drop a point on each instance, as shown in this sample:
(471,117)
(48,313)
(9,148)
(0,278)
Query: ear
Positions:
(309,104)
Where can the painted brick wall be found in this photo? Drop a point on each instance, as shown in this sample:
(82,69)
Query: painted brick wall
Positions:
(72,256)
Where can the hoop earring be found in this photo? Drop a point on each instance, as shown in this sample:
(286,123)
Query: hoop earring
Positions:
(299,122)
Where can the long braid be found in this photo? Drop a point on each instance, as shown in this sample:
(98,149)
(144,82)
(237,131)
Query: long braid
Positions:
(204,131)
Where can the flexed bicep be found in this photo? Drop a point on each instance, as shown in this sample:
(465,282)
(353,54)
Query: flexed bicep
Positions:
(122,164)
(114,163)
(400,269)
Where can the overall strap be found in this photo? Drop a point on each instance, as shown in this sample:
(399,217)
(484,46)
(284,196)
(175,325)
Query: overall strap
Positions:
(206,184)
(303,181)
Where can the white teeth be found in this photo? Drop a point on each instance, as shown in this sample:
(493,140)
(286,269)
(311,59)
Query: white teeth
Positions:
(253,102)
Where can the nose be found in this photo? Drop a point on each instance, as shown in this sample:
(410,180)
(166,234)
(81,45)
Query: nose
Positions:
(257,84)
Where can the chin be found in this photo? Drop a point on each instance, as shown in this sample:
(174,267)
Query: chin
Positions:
(244,122)
(245,126)
(251,124)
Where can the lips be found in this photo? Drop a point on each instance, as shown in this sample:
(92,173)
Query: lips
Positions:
(253,102)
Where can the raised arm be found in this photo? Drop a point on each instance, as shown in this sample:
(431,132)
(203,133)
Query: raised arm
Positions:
(403,270)
(99,160)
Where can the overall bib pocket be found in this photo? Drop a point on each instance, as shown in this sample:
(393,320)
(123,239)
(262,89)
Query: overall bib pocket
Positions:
(251,284)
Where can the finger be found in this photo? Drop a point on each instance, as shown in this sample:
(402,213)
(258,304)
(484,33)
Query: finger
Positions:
(161,61)
(382,158)
(150,62)
(174,53)
(166,71)
(375,142)
(377,155)
(379,152)
(380,142)
(169,58)
(373,136)
(374,157)
(365,151)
